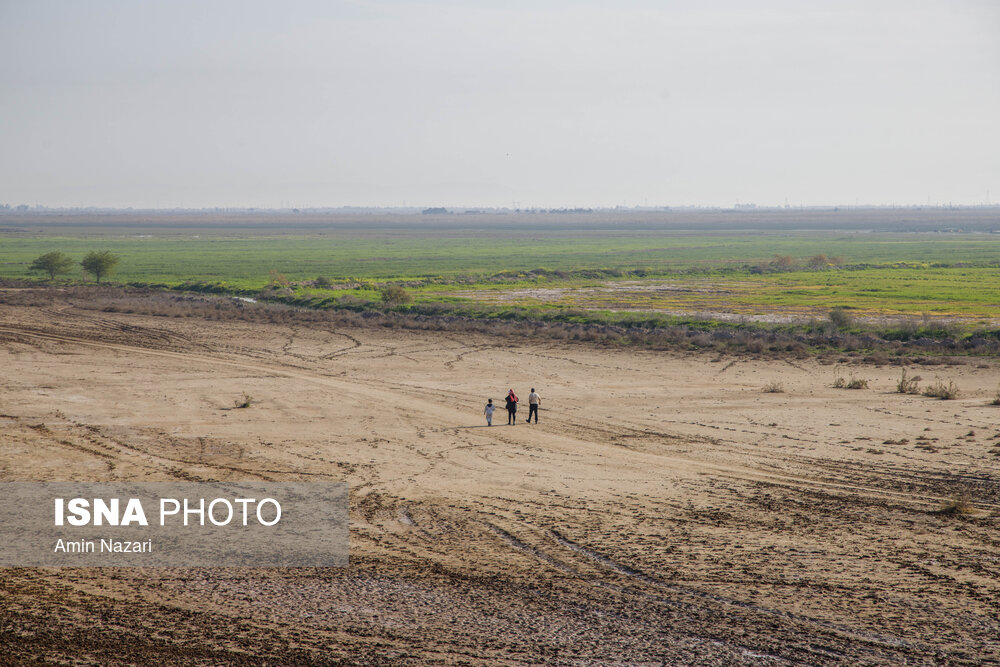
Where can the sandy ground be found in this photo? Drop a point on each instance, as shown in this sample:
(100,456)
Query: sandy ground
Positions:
(665,510)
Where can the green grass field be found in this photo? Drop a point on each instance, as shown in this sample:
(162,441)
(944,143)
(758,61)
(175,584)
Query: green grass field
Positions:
(469,259)
(968,293)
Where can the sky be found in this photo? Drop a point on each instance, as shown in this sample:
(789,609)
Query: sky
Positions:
(206,103)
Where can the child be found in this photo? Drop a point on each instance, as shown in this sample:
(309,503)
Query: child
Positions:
(489,411)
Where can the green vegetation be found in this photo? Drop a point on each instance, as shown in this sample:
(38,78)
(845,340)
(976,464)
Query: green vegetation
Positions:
(913,284)
(99,263)
(840,318)
(53,263)
(168,253)
(394,295)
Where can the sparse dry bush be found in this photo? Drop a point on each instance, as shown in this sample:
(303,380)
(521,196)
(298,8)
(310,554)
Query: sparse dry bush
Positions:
(275,291)
(839,382)
(244,402)
(908,385)
(701,340)
(960,505)
(941,390)
(798,349)
(996,397)
(276,279)
(840,318)
(857,383)
(774,387)
(818,261)
(876,359)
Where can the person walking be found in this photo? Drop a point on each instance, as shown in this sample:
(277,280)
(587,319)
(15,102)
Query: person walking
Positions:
(534,400)
(511,407)
(488,411)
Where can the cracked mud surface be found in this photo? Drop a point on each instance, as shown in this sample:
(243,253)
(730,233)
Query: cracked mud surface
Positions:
(664,510)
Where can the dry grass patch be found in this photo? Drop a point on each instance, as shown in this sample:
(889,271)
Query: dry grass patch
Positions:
(939,389)
(960,505)
(908,385)
(853,383)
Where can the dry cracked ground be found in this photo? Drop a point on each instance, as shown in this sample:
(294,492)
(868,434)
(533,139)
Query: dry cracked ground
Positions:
(665,510)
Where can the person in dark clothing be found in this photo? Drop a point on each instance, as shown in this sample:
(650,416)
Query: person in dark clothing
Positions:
(512,407)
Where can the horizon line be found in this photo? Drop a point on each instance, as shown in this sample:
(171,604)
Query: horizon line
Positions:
(7,209)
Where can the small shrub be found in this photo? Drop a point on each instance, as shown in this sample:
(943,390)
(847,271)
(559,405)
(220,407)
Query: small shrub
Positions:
(798,349)
(877,359)
(395,295)
(840,318)
(783,262)
(818,261)
(245,402)
(774,388)
(959,505)
(857,383)
(275,279)
(908,385)
(854,383)
(996,398)
(939,389)
(701,340)
(322,281)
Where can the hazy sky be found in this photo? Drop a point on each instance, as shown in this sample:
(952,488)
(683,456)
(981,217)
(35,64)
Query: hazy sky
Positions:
(491,103)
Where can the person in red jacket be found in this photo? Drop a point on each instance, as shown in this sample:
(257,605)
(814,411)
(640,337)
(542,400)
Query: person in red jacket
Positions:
(511,407)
